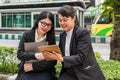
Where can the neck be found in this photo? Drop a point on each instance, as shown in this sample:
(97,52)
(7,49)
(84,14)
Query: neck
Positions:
(40,35)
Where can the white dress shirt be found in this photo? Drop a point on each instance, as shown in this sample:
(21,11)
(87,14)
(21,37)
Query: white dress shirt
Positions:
(36,37)
(67,43)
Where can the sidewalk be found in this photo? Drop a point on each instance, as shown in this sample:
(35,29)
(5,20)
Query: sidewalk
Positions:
(103,49)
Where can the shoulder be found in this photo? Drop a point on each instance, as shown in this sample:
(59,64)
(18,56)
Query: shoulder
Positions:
(28,35)
(62,33)
(29,32)
(82,31)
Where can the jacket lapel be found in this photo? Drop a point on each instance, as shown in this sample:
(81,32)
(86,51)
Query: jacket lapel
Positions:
(63,42)
(32,35)
(73,41)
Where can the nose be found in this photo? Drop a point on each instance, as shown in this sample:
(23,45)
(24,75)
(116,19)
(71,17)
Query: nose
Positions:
(46,26)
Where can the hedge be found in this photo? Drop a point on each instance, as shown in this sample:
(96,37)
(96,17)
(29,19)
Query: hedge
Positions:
(9,61)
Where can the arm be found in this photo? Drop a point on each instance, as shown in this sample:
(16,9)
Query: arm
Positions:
(38,66)
(43,65)
(21,54)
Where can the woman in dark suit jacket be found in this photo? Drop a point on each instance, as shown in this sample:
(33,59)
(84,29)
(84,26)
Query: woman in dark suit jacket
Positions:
(78,60)
(42,31)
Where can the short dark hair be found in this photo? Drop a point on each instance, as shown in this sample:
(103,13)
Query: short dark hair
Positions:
(50,34)
(67,10)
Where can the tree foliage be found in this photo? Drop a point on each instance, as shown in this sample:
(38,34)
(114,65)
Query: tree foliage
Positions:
(109,6)
(112,8)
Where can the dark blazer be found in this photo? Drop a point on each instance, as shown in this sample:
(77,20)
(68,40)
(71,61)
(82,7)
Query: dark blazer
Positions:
(29,36)
(81,60)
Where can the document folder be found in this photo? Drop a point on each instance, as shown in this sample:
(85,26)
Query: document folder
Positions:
(33,47)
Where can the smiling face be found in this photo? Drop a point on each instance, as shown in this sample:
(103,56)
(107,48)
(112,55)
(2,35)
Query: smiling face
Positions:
(67,23)
(44,25)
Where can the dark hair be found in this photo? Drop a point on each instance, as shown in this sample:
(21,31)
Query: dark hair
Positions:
(68,11)
(50,34)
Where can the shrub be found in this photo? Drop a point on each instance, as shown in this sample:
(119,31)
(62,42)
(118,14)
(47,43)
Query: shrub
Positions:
(110,68)
(58,68)
(8,60)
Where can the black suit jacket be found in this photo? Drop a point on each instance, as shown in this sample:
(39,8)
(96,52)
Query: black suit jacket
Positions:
(29,36)
(81,60)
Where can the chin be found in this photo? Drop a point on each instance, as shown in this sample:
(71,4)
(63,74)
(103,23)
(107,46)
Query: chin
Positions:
(65,29)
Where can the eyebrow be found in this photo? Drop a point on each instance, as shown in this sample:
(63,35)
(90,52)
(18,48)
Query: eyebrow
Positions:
(46,22)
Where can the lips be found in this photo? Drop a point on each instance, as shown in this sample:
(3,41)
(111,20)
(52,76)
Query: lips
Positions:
(63,26)
(44,30)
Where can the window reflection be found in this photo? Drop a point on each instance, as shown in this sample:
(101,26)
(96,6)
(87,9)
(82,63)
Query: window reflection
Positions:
(16,20)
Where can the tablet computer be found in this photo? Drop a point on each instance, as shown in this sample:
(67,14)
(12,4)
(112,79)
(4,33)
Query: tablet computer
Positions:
(50,48)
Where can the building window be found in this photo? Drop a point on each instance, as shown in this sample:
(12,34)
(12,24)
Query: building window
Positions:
(56,21)
(35,16)
(9,20)
(28,20)
(4,21)
(16,20)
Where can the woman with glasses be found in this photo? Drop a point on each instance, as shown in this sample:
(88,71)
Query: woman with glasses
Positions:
(78,60)
(42,31)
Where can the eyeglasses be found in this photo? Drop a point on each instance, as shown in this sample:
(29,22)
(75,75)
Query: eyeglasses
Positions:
(44,24)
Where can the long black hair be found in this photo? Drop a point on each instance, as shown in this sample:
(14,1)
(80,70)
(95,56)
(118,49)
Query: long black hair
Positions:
(50,37)
(68,11)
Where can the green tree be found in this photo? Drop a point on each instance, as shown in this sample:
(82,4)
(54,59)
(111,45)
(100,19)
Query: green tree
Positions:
(112,7)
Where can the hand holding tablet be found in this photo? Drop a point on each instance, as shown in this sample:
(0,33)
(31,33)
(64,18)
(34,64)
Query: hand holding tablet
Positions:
(50,52)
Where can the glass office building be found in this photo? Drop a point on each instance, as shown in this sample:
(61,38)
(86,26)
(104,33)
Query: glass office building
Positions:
(21,14)
(16,20)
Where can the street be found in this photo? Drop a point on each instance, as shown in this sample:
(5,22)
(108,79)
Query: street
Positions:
(104,49)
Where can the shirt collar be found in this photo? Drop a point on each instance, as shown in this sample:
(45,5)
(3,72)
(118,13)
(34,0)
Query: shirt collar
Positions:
(36,37)
(69,32)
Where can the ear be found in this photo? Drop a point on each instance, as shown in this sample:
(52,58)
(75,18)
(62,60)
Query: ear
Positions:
(74,18)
